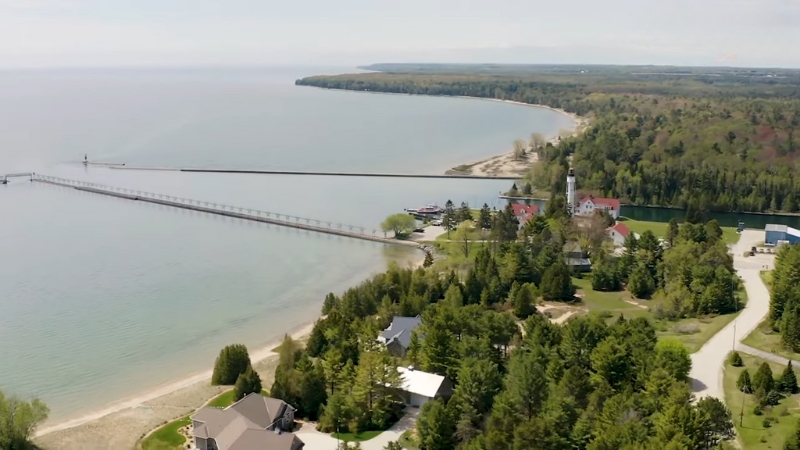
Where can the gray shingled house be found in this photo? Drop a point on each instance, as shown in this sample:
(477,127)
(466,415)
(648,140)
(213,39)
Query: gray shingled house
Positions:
(254,422)
(398,336)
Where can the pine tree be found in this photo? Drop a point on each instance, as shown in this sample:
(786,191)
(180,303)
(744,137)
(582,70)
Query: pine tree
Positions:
(449,219)
(485,220)
(788,381)
(557,283)
(428,260)
(743,382)
(247,383)
(763,380)
(523,301)
(736,359)
(232,361)
(672,232)
(464,213)
(640,282)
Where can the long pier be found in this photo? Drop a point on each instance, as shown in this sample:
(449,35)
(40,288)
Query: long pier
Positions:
(313,173)
(250,214)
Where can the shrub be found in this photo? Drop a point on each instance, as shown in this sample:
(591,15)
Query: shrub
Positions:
(247,383)
(758,410)
(735,359)
(232,361)
(686,328)
(773,398)
(766,423)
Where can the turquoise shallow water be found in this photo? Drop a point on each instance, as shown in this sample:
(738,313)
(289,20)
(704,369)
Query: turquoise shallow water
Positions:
(103,298)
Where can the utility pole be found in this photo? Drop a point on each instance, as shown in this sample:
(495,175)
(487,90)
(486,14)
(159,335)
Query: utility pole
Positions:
(741,415)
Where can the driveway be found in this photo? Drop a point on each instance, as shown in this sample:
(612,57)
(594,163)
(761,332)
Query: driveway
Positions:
(315,440)
(709,361)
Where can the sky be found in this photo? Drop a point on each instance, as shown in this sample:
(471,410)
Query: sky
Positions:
(92,33)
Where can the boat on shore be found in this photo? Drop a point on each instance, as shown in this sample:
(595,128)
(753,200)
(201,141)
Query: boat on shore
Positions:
(426,211)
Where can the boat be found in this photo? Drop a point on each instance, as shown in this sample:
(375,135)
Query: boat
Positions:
(427,210)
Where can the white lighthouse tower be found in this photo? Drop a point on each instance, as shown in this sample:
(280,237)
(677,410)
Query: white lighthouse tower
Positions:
(572,202)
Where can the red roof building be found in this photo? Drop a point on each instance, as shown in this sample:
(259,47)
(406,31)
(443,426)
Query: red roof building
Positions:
(589,205)
(524,212)
(618,233)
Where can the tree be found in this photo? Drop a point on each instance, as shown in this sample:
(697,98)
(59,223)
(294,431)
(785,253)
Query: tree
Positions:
(743,382)
(793,441)
(485,219)
(479,381)
(436,426)
(735,359)
(449,219)
(719,423)
(557,283)
(604,275)
(611,363)
(463,234)
(519,149)
(536,141)
(400,224)
(788,380)
(232,361)
(640,282)
(763,379)
(247,383)
(672,232)
(393,445)
(672,356)
(428,260)
(523,301)
(464,213)
(18,421)
(329,303)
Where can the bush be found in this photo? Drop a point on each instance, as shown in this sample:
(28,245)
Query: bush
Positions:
(232,361)
(247,383)
(766,423)
(686,328)
(773,398)
(735,359)
(758,410)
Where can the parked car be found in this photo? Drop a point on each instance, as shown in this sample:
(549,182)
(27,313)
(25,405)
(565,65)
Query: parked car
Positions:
(419,230)
(436,223)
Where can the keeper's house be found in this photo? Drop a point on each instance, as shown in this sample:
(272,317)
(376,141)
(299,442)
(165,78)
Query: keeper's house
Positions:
(775,233)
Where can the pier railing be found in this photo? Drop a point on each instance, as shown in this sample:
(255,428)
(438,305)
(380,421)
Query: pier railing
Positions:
(253,214)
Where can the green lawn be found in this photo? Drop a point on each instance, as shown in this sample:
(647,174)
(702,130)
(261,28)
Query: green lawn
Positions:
(763,337)
(455,259)
(752,434)
(363,436)
(693,332)
(408,442)
(729,234)
(168,438)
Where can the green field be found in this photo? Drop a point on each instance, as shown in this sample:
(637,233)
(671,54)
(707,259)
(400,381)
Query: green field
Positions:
(752,434)
(693,332)
(729,234)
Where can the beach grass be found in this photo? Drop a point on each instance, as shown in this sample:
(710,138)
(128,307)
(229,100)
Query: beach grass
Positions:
(729,234)
(360,437)
(693,332)
(752,434)
(167,437)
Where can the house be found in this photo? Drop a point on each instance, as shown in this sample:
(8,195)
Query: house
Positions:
(398,336)
(774,233)
(589,205)
(575,258)
(420,387)
(254,422)
(524,212)
(618,233)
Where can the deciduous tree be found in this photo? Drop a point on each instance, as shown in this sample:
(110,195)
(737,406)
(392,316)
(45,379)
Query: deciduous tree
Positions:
(400,224)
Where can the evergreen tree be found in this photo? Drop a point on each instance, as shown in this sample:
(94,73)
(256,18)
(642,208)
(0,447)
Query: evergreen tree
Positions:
(428,260)
(672,232)
(449,218)
(524,300)
(640,282)
(604,275)
(247,383)
(527,189)
(485,219)
(743,382)
(329,303)
(628,260)
(735,359)
(763,379)
(793,440)
(232,361)
(719,425)
(672,356)
(788,380)
(464,213)
(436,426)
(557,283)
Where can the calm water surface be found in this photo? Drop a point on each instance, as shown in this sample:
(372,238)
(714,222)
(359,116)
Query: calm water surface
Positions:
(103,298)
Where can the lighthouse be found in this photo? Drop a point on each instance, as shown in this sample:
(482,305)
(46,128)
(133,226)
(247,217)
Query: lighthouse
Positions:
(572,202)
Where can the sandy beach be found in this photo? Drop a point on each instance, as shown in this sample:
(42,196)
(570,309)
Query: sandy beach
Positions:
(122,424)
(506,165)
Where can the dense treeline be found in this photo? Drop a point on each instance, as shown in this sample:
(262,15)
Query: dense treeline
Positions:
(784,313)
(711,142)
(521,382)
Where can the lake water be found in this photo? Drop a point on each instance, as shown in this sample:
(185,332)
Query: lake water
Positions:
(104,298)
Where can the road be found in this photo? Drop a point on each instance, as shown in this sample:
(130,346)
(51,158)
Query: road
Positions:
(709,361)
(315,440)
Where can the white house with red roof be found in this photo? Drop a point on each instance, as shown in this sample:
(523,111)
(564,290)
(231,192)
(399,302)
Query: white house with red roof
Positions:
(524,212)
(618,233)
(589,205)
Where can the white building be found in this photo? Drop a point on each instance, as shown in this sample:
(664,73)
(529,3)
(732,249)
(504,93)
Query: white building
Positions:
(421,387)
(618,233)
(588,205)
(572,204)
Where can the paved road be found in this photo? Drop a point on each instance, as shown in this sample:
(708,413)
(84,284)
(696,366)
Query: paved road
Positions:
(315,440)
(709,361)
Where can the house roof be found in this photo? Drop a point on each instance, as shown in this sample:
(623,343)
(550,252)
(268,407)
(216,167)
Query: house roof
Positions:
(400,329)
(612,203)
(234,426)
(524,210)
(419,382)
(620,228)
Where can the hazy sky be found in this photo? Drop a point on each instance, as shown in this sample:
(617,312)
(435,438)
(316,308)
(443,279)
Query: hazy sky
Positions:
(257,32)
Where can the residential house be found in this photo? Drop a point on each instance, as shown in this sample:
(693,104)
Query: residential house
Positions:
(398,336)
(618,233)
(254,422)
(524,212)
(420,387)
(589,205)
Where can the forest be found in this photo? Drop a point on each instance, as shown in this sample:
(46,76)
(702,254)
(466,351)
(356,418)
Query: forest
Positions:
(784,311)
(710,139)
(521,381)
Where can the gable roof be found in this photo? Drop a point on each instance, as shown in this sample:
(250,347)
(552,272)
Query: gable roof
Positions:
(400,329)
(419,382)
(524,210)
(620,228)
(612,203)
(244,424)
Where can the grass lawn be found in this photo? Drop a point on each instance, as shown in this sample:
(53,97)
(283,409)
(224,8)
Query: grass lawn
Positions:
(729,234)
(167,437)
(693,332)
(350,437)
(763,337)
(455,259)
(407,441)
(752,433)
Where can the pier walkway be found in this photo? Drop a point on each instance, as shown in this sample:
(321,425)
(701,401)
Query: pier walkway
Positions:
(4,178)
(309,172)
(285,220)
